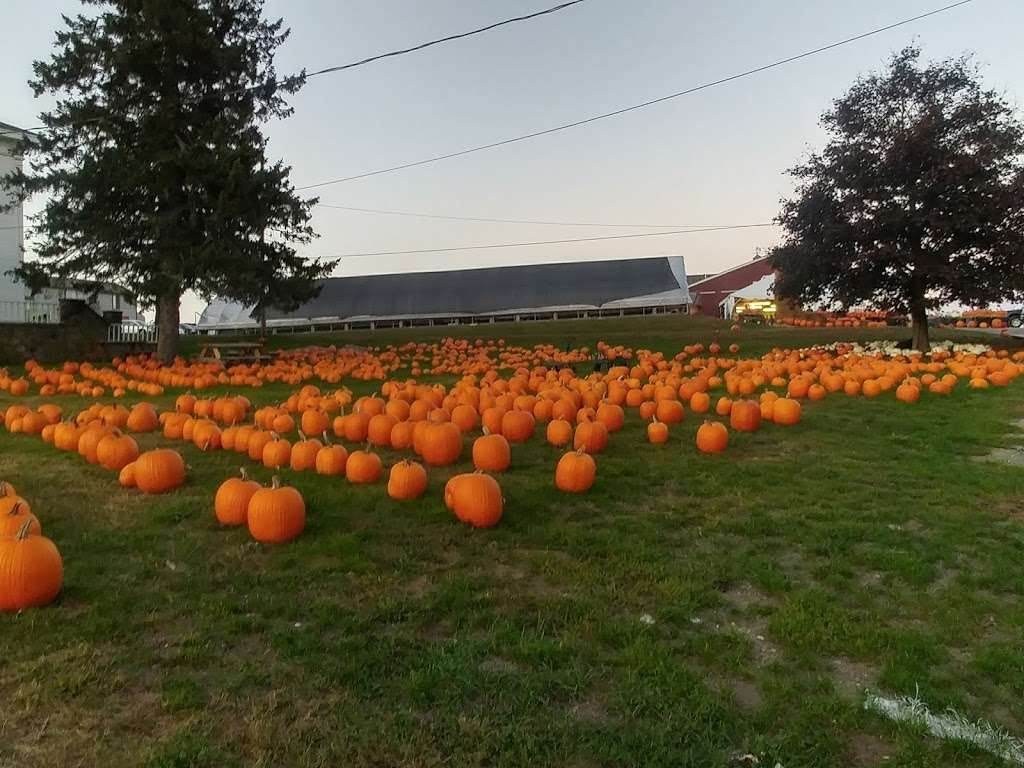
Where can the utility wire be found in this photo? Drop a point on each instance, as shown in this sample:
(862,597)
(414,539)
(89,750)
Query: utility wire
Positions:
(448,39)
(509,221)
(549,242)
(377,57)
(642,105)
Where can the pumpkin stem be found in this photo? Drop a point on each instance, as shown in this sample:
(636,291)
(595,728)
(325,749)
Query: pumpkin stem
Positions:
(23,532)
(327,440)
(275,482)
(243,473)
(302,436)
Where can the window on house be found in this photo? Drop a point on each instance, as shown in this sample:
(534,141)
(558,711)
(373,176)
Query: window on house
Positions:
(115,301)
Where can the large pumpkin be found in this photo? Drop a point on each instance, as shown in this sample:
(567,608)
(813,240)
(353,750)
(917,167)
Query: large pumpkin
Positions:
(475,499)
(408,480)
(276,514)
(363,467)
(575,472)
(559,432)
(115,451)
(517,426)
(159,471)
(31,571)
(441,443)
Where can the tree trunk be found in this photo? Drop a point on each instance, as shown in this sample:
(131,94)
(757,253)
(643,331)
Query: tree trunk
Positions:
(919,320)
(167,307)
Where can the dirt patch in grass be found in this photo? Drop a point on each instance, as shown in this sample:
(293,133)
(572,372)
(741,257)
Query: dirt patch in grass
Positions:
(590,710)
(745,693)
(496,665)
(868,750)
(755,630)
(744,596)
(851,677)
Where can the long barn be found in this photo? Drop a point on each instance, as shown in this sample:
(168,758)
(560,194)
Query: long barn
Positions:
(494,294)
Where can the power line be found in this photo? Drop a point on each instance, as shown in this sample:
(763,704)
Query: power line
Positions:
(507,221)
(642,105)
(448,39)
(549,242)
(377,57)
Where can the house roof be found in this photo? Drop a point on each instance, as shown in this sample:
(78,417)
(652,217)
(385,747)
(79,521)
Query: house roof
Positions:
(582,284)
(13,133)
(725,272)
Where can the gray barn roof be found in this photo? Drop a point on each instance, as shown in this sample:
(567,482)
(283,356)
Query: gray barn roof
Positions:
(495,290)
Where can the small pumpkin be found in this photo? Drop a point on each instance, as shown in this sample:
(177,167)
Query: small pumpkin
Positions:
(31,570)
(786,411)
(304,453)
(575,472)
(276,514)
(745,416)
(491,453)
(16,514)
(363,467)
(559,432)
(408,480)
(592,436)
(126,477)
(331,459)
(712,437)
(276,453)
(657,432)
(231,502)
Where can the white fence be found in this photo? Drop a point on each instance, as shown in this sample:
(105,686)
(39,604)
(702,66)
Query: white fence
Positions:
(29,312)
(131,333)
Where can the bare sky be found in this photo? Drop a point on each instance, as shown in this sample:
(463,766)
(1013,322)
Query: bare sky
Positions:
(715,157)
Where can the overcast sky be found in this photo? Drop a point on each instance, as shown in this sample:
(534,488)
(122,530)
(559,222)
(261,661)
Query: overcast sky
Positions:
(715,157)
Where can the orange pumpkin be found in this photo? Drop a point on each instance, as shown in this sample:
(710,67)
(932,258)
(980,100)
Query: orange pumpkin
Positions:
(408,480)
(575,472)
(276,514)
(231,502)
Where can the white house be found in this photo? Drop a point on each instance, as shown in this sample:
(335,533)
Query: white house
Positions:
(15,305)
(11,223)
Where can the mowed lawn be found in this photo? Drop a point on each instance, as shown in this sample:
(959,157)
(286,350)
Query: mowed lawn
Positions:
(689,610)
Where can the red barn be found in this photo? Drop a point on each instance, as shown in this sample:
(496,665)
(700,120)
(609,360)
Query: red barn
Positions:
(708,293)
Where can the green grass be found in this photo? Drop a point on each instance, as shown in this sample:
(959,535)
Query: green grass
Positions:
(865,546)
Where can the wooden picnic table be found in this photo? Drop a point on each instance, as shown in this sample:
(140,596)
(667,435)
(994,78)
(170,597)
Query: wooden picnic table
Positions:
(234,352)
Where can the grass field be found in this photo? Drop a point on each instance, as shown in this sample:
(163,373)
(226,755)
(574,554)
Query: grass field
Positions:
(689,610)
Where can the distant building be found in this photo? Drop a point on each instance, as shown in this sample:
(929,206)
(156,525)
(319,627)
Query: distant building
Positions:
(15,305)
(103,298)
(710,293)
(609,287)
(12,232)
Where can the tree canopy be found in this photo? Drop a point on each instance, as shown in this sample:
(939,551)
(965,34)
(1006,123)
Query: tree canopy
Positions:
(154,162)
(917,199)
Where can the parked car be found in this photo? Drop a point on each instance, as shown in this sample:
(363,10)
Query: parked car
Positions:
(1015,317)
(187,329)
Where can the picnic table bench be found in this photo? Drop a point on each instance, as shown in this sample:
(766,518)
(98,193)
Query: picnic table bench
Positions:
(233,352)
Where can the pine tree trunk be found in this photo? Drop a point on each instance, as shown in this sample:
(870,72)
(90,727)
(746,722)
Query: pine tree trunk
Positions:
(167,309)
(919,319)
